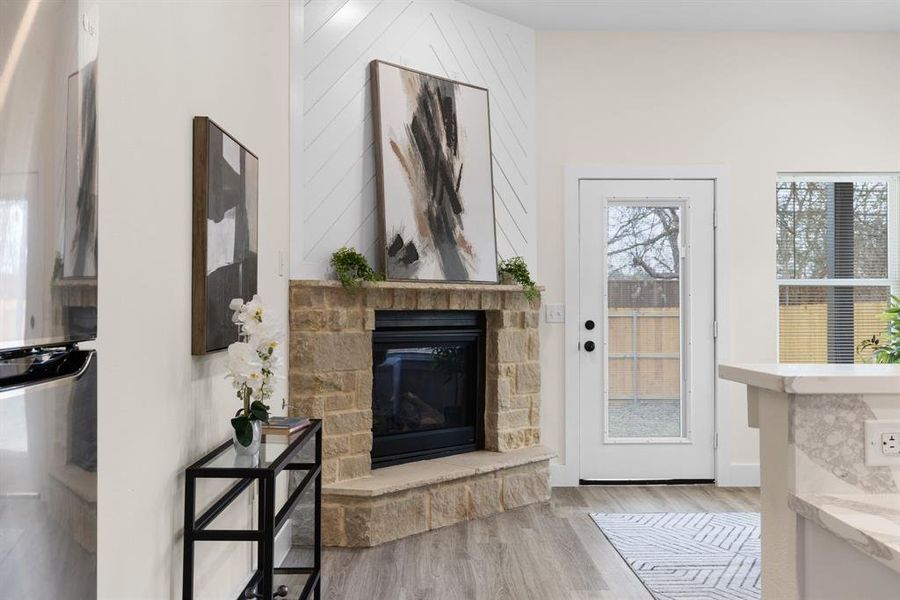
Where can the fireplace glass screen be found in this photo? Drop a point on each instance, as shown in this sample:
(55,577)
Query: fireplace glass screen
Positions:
(427,384)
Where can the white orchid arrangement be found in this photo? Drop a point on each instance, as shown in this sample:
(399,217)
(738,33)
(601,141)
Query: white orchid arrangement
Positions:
(251,363)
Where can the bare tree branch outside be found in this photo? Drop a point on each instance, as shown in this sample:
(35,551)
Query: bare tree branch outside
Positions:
(644,328)
(643,242)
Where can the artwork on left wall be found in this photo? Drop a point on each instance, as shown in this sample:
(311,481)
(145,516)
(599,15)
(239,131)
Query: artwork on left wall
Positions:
(79,253)
(225,230)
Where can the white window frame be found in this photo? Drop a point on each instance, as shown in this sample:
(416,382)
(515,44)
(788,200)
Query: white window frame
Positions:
(893,279)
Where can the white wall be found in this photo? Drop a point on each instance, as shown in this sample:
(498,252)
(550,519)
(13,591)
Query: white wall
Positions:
(755,103)
(161,63)
(335,202)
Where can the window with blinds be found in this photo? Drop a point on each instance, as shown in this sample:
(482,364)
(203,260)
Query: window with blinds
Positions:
(837,259)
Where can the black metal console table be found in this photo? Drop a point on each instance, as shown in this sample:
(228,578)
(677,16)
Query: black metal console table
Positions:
(298,575)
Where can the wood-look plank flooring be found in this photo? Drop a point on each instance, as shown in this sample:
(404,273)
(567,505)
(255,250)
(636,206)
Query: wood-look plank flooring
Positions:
(551,551)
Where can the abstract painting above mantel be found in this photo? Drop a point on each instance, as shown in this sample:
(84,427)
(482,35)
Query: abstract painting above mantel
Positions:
(435,181)
(79,255)
(225,231)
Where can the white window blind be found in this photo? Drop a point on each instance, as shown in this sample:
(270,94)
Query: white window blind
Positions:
(838,261)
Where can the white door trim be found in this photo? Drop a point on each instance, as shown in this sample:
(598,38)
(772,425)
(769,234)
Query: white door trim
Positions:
(567,473)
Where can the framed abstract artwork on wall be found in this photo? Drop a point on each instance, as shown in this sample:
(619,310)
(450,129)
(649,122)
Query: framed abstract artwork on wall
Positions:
(79,255)
(434,175)
(225,233)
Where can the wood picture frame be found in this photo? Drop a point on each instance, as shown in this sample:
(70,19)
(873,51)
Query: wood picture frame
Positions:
(437,219)
(225,233)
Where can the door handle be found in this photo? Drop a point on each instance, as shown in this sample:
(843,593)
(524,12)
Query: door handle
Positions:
(588,324)
(589,346)
(36,366)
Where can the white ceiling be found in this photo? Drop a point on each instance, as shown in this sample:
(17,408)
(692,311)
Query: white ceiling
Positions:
(699,15)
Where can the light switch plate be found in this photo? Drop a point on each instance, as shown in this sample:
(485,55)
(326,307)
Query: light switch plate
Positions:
(880,451)
(555,313)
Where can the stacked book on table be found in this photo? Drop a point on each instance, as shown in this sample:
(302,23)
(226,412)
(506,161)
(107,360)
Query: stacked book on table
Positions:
(284,425)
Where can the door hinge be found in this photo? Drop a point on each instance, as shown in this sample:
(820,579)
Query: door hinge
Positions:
(716,441)
(715,330)
(715,219)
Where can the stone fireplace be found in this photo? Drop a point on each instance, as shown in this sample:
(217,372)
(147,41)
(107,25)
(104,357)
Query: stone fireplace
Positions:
(339,338)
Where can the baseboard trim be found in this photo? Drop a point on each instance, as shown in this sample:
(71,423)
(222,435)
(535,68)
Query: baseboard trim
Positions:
(735,475)
(563,475)
(739,475)
(645,481)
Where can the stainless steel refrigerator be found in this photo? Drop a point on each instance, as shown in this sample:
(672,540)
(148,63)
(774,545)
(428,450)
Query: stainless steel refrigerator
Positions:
(48,299)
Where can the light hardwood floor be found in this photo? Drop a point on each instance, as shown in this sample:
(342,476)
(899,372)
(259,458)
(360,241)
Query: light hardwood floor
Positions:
(551,551)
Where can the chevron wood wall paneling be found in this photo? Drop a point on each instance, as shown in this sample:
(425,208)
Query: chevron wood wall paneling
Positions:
(340,38)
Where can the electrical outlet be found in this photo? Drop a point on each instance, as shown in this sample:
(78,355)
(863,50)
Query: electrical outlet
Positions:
(555,313)
(882,443)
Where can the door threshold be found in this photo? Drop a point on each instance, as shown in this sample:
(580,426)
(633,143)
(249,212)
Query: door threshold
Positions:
(645,481)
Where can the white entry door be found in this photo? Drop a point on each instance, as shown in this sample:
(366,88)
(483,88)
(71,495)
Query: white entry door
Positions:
(647,346)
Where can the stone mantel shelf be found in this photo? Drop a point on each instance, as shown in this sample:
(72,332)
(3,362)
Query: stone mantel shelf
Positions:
(419,474)
(418,285)
(816,379)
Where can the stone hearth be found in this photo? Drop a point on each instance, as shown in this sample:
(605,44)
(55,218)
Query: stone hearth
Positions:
(331,379)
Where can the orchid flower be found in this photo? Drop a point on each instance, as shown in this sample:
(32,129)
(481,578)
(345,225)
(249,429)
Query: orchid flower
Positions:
(252,360)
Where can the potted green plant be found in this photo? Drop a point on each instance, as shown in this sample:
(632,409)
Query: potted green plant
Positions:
(251,364)
(889,351)
(352,268)
(516,270)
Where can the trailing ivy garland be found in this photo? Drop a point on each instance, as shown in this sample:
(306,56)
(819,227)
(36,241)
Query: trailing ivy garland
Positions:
(516,268)
(352,268)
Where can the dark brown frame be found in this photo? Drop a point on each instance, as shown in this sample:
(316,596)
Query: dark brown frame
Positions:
(199,232)
(379,169)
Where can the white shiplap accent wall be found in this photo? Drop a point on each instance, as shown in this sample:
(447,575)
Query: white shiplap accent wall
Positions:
(337,198)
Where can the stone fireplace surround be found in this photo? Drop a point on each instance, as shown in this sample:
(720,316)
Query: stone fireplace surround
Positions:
(331,379)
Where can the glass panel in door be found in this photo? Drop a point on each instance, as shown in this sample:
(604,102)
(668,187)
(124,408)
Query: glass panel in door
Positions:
(644,321)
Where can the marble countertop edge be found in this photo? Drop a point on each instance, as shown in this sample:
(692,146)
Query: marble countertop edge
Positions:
(816,379)
(868,522)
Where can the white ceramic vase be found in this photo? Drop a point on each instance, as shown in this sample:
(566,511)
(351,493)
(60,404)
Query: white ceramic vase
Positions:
(253,448)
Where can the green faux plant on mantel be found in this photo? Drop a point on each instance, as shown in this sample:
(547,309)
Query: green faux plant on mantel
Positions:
(889,351)
(352,268)
(516,269)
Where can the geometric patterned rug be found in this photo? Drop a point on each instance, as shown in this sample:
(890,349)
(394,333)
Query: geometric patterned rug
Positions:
(689,556)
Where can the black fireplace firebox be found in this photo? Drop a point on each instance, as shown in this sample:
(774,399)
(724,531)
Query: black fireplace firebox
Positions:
(427,385)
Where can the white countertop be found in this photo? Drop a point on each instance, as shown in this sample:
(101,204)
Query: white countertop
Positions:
(869,522)
(816,379)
